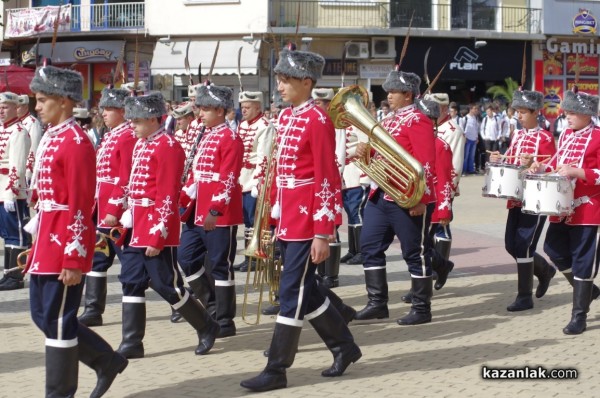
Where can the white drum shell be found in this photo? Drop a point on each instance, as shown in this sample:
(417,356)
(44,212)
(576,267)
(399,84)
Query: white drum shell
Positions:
(503,181)
(549,195)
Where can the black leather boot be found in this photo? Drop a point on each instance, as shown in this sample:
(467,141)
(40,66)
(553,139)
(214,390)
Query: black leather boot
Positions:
(62,371)
(226,308)
(345,311)
(377,292)
(14,279)
(282,352)
(420,311)
(582,296)
(96,353)
(202,288)
(331,266)
(407,298)
(544,272)
(524,301)
(595,288)
(352,250)
(358,258)
(441,265)
(175,316)
(134,330)
(197,316)
(337,337)
(95,300)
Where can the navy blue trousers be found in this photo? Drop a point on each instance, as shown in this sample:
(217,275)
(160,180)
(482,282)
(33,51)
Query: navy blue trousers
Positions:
(355,200)
(573,248)
(54,306)
(138,271)
(219,245)
(102,262)
(383,221)
(298,292)
(522,234)
(12,223)
(248,207)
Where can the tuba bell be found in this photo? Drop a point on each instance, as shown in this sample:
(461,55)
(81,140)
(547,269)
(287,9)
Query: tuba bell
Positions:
(395,171)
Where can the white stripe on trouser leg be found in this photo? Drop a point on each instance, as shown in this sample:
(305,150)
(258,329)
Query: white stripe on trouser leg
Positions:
(97,274)
(524,260)
(322,308)
(19,224)
(229,263)
(196,275)
(180,303)
(594,267)
(423,237)
(61,314)
(61,343)
(289,321)
(537,224)
(176,274)
(301,288)
(133,299)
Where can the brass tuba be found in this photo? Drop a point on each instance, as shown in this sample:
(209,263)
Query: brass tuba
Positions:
(396,172)
(261,245)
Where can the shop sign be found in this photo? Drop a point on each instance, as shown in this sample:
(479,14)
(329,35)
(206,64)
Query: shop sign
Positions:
(584,23)
(587,46)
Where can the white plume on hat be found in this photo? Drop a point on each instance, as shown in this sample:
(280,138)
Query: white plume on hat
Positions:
(323,94)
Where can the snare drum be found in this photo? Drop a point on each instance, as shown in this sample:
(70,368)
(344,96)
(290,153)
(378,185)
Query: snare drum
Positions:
(549,195)
(503,181)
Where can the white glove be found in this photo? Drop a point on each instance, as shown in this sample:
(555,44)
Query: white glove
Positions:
(9,205)
(191,191)
(254,192)
(127,219)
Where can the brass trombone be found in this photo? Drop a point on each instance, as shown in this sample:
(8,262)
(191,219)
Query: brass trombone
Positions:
(261,247)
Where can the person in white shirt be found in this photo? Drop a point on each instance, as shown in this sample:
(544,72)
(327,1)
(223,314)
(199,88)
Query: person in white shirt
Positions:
(490,130)
(471,129)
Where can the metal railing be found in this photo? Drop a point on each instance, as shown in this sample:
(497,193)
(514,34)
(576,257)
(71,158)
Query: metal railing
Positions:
(324,14)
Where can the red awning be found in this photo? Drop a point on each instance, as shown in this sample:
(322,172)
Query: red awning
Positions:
(18,79)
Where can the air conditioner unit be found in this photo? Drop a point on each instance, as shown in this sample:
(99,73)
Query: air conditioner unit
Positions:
(383,47)
(357,50)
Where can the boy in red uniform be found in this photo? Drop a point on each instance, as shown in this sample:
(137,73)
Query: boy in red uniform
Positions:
(306,183)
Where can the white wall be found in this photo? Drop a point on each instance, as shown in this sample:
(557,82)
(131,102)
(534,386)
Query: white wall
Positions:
(185,18)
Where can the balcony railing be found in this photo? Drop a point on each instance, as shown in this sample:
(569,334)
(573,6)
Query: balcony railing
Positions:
(332,14)
(24,22)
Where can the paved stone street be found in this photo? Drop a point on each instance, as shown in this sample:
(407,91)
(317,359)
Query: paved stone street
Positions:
(471,329)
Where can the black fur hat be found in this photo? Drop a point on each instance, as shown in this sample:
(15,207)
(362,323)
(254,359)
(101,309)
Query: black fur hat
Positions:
(214,96)
(579,102)
(533,100)
(429,107)
(51,80)
(145,106)
(113,98)
(402,81)
(300,64)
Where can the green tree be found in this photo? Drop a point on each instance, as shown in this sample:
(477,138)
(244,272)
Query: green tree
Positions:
(504,91)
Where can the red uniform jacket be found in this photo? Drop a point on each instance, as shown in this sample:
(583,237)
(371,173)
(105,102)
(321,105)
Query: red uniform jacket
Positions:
(65,180)
(582,150)
(536,141)
(153,191)
(307,181)
(114,153)
(444,185)
(411,129)
(216,173)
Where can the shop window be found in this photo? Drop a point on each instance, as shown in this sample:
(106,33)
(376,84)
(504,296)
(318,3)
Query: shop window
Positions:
(402,10)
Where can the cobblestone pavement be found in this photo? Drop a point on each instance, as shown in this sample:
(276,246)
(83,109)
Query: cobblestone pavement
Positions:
(471,329)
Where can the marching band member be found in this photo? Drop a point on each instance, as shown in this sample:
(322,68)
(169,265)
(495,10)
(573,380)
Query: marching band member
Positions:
(572,241)
(65,182)
(444,191)
(449,131)
(523,230)
(384,218)
(152,218)
(185,134)
(14,151)
(33,127)
(214,184)
(113,158)
(330,268)
(355,193)
(256,133)
(305,186)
